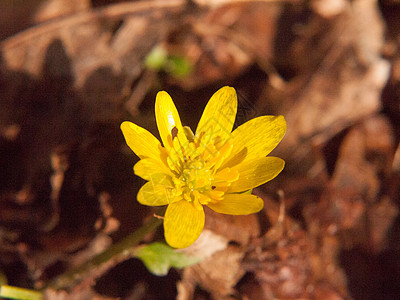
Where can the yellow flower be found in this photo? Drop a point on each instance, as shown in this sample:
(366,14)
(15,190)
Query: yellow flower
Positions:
(213,167)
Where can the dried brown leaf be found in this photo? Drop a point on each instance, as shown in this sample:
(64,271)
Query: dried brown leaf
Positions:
(217,274)
(56,8)
(351,204)
(346,83)
(240,229)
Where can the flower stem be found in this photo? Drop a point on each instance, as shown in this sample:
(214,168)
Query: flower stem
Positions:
(102,262)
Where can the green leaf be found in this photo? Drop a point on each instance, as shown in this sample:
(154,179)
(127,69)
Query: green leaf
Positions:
(156,59)
(159,258)
(178,66)
(159,60)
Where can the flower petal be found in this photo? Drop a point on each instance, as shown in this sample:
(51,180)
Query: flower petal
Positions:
(183,224)
(226,175)
(255,138)
(219,115)
(156,192)
(142,142)
(256,172)
(167,117)
(238,204)
(146,167)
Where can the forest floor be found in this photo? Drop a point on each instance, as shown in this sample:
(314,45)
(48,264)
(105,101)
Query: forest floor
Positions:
(72,71)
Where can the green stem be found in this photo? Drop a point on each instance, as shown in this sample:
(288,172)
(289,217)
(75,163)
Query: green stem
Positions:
(12,292)
(103,261)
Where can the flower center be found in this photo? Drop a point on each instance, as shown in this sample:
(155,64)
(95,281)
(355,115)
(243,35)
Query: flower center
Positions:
(195,176)
(196,161)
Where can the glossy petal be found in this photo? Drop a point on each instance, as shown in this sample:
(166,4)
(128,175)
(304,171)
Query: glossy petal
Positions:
(156,192)
(167,117)
(255,138)
(219,115)
(256,172)
(183,224)
(142,142)
(226,175)
(238,204)
(146,167)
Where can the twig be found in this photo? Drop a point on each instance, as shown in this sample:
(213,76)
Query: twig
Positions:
(102,262)
(112,12)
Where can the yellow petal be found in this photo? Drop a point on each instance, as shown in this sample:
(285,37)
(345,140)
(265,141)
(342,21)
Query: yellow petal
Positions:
(142,142)
(238,204)
(215,195)
(256,172)
(183,224)
(167,117)
(219,115)
(148,166)
(226,174)
(255,138)
(180,147)
(202,199)
(156,194)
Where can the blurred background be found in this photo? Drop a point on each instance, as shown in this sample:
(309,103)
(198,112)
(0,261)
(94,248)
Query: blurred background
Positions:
(72,71)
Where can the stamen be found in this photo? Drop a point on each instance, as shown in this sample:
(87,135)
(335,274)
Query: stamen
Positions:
(198,180)
(174,132)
